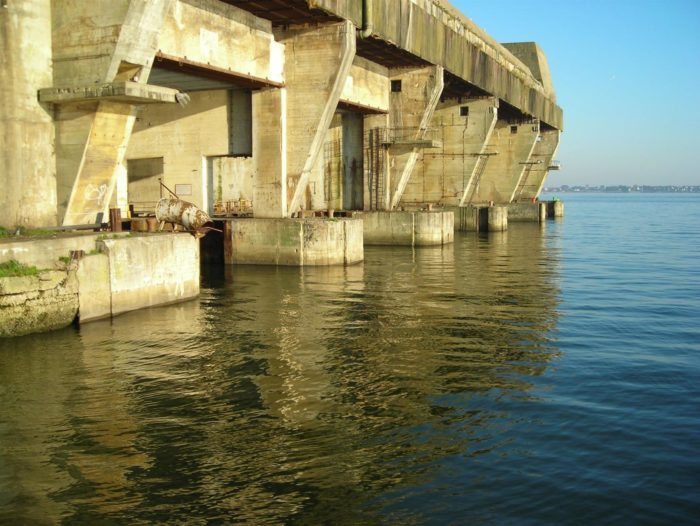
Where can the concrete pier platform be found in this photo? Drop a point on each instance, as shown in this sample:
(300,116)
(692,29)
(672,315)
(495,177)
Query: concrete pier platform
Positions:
(474,218)
(527,212)
(555,209)
(408,228)
(293,242)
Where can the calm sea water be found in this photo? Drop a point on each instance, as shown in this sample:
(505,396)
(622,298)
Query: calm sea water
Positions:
(542,376)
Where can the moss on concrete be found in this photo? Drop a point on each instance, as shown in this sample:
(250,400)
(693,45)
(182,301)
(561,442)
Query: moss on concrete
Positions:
(14,268)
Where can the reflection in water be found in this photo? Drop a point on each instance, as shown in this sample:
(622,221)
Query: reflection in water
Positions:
(283,394)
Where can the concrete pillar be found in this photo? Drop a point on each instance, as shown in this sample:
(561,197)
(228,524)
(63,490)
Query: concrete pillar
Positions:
(270,153)
(497,218)
(555,209)
(376,184)
(27,162)
(474,218)
(511,146)
(317,63)
(541,159)
(415,93)
(91,138)
(353,161)
(444,175)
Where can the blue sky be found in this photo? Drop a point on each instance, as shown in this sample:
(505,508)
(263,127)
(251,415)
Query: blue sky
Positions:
(626,73)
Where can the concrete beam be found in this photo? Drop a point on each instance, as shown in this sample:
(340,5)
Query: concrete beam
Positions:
(542,156)
(437,33)
(414,96)
(507,158)
(445,175)
(365,88)
(317,65)
(223,38)
(120,91)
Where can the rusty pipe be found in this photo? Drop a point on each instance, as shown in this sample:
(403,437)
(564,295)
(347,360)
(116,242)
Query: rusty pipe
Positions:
(367,22)
(179,212)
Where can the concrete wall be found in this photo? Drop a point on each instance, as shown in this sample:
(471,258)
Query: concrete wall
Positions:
(27,162)
(445,174)
(40,303)
(129,272)
(294,242)
(151,270)
(511,144)
(185,138)
(45,252)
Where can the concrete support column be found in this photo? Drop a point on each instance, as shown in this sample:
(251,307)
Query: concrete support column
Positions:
(555,209)
(353,161)
(415,93)
(376,196)
(509,151)
(27,162)
(444,175)
(481,218)
(317,64)
(91,138)
(270,147)
(541,159)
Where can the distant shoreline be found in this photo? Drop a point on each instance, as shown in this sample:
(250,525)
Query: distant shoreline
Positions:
(621,189)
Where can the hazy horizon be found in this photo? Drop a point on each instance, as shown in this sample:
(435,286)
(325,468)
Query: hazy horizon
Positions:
(611,64)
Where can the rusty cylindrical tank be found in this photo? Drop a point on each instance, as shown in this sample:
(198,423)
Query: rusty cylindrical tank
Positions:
(179,212)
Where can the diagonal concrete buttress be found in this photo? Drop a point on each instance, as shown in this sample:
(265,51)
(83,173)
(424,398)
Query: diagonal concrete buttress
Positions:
(93,126)
(415,95)
(545,150)
(507,158)
(317,63)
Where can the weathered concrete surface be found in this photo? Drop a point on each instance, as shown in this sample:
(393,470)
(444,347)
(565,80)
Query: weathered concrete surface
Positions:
(293,242)
(512,145)
(27,161)
(145,271)
(410,228)
(532,212)
(39,303)
(445,175)
(439,34)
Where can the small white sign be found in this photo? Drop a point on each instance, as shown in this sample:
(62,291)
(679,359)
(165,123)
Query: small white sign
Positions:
(183,189)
